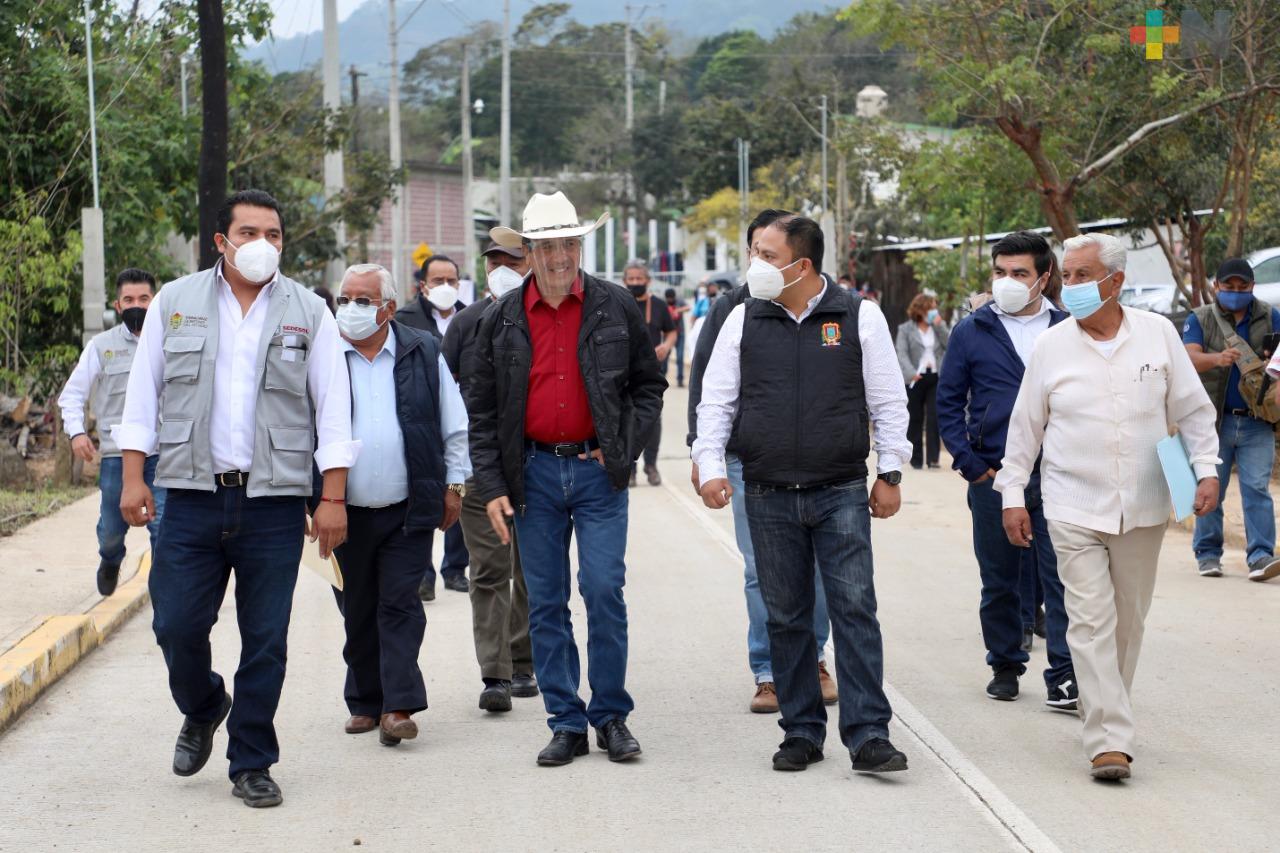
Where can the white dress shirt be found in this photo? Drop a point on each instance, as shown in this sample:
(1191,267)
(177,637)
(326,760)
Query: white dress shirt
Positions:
(442,322)
(1024,330)
(1098,419)
(881,377)
(232,418)
(928,360)
(380,476)
(75,394)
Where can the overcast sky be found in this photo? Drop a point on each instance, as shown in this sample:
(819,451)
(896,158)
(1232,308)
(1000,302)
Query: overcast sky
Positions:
(295,17)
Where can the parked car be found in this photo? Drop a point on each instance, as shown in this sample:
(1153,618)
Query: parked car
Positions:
(1266,274)
(1163,299)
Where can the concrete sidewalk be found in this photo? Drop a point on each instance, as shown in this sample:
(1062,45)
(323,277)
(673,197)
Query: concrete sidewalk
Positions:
(87,767)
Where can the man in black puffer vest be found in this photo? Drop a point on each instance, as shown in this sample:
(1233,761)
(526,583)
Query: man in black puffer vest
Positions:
(408,481)
(798,375)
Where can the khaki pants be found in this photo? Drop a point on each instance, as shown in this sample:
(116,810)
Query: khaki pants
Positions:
(499,600)
(1108,580)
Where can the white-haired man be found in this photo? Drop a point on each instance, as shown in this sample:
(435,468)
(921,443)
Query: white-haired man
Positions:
(408,412)
(1100,390)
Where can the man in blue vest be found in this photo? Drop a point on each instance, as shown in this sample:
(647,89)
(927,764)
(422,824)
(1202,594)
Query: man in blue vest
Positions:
(985,361)
(242,369)
(798,375)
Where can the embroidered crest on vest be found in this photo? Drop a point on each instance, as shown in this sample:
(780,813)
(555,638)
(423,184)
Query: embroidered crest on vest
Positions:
(831,334)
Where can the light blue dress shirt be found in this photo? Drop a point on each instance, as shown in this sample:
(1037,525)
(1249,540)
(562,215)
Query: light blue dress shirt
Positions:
(380,476)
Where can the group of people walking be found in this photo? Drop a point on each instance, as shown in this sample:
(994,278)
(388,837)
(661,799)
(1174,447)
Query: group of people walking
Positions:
(245,416)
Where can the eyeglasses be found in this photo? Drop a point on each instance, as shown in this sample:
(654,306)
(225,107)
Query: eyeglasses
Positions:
(362,301)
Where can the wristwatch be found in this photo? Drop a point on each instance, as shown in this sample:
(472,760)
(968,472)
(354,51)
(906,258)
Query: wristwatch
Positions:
(893,478)
(459,489)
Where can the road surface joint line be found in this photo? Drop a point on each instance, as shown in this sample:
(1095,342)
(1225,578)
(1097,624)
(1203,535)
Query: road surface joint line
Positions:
(36,661)
(984,794)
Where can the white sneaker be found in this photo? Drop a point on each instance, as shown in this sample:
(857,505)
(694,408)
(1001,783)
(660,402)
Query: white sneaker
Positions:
(1210,569)
(1264,569)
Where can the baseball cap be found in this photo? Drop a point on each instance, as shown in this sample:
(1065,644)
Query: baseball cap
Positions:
(1235,268)
(498,248)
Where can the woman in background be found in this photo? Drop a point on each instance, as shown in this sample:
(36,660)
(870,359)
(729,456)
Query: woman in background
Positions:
(921,343)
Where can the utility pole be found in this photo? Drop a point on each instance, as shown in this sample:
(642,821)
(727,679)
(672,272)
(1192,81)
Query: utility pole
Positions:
(662,97)
(211,177)
(825,206)
(504,141)
(468,214)
(93,295)
(182,68)
(355,107)
(744,193)
(397,205)
(334,178)
(629,52)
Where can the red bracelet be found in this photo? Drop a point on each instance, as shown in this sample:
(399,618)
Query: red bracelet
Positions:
(333,500)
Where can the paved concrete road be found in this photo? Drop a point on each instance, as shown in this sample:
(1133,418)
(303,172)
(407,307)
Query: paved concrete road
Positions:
(87,768)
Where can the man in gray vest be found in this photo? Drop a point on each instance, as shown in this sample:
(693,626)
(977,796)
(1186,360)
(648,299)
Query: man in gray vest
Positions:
(244,368)
(1244,438)
(798,375)
(99,379)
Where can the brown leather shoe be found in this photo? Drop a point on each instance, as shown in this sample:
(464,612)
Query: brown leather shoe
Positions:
(1111,765)
(829,693)
(397,726)
(766,699)
(358,724)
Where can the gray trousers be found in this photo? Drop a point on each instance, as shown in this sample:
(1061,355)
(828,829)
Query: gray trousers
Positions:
(499,599)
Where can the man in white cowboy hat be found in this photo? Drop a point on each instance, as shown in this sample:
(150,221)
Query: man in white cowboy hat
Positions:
(562,377)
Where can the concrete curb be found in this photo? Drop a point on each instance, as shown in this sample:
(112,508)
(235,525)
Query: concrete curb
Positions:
(33,664)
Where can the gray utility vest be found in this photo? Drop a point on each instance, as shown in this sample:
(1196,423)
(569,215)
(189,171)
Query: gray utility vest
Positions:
(284,433)
(1215,380)
(116,348)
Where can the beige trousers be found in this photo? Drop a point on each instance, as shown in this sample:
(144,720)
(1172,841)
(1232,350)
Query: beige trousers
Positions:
(1108,580)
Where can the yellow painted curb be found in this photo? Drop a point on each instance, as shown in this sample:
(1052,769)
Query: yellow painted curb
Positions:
(40,658)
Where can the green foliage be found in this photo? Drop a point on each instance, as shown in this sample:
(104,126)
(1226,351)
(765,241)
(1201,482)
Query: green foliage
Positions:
(949,274)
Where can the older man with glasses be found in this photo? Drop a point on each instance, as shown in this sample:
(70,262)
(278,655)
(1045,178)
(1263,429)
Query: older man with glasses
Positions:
(563,379)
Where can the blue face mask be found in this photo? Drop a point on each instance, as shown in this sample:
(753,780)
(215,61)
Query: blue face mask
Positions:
(932,316)
(1082,300)
(1234,300)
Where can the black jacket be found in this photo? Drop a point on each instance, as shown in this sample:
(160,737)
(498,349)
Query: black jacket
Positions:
(621,374)
(417,314)
(461,335)
(711,325)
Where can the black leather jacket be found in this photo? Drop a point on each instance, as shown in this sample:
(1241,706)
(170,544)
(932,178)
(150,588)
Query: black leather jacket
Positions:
(619,369)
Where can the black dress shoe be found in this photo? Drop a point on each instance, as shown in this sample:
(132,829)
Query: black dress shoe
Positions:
(564,747)
(524,685)
(195,742)
(427,590)
(617,738)
(457,583)
(879,756)
(796,753)
(257,789)
(108,577)
(496,696)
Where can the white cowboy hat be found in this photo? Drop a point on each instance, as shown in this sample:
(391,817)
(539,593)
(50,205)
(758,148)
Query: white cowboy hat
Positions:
(546,217)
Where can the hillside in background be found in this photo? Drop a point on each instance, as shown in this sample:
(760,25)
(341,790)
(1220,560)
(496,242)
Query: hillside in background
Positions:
(363,35)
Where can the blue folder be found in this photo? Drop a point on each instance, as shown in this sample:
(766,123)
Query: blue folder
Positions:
(1179,475)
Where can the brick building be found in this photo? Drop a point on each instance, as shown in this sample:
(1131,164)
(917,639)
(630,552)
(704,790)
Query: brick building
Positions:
(433,214)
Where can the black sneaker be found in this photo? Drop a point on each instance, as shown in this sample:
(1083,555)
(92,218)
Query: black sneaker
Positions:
(1064,695)
(796,753)
(879,756)
(427,590)
(108,576)
(1004,686)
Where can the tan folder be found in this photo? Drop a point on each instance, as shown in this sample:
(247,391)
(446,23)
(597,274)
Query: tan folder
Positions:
(311,559)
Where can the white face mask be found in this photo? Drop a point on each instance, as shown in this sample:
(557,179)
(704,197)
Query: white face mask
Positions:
(1011,295)
(256,260)
(443,296)
(765,281)
(358,322)
(503,280)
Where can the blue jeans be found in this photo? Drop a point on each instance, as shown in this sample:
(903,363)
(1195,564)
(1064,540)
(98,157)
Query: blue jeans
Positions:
(1251,445)
(111,524)
(757,632)
(563,497)
(1000,568)
(205,536)
(832,525)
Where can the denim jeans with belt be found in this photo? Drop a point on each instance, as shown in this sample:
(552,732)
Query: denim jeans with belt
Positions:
(564,497)
(757,632)
(1251,445)
(791,528)
(112,527)
(205,536)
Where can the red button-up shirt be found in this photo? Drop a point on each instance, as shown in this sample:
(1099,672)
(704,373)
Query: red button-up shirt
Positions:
(557,410)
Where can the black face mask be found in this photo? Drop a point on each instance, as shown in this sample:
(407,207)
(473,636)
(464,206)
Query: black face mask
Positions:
(132,319)
(638,290)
